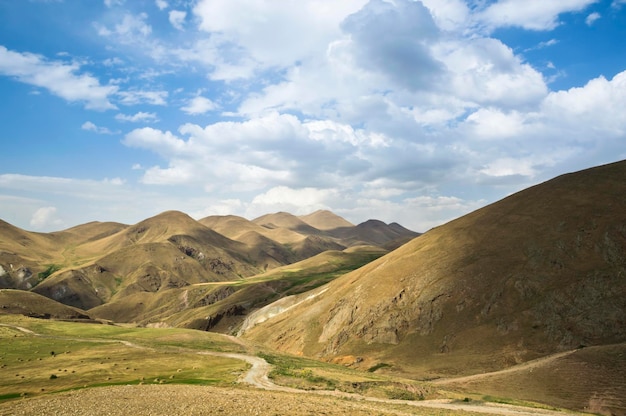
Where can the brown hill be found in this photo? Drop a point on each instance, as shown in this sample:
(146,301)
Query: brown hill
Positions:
(155,271)
(286,221)
(374,232)
(231,226)
(166,251)
(539,272)
(325,220)
(588,379)
(20,302)
(27,257)
(265,247)
(289,238)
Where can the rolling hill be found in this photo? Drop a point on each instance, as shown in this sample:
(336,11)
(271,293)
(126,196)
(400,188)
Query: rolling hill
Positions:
(173,270)
(537,273)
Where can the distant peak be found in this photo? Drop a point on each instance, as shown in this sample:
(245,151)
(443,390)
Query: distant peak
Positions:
(323,219)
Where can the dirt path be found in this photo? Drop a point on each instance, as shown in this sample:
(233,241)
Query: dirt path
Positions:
(258,376)
(529,365)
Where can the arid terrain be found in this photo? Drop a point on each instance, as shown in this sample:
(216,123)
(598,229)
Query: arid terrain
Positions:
(518,308)
(253,392)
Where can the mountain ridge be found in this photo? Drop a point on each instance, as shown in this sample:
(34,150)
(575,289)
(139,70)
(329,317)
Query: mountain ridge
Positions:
(541,271)
(110,268)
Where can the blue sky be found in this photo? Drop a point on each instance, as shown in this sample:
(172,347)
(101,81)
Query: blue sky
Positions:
(400,110)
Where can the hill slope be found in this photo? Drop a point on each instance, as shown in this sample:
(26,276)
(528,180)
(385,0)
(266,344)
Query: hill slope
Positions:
(144,273)
(539,272)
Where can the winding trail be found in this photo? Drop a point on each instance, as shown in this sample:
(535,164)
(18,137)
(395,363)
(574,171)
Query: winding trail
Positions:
(528,365)
(258,376)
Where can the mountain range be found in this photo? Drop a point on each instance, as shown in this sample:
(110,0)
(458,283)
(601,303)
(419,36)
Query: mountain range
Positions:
(524,298)
(173,270)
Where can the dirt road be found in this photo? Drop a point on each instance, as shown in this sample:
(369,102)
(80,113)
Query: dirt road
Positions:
(258,376)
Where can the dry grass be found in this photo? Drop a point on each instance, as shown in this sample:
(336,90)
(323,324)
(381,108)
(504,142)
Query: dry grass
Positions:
(71,355)
(536,273)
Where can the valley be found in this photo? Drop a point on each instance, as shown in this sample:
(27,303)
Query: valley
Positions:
(516,308)
(97,369)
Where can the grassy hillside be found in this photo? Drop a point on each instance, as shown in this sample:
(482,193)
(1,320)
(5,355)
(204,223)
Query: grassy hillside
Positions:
(72,355)
(43,356)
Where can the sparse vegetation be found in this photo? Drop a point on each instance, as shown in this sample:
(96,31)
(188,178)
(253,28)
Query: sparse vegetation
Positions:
(41,276)
(98,358)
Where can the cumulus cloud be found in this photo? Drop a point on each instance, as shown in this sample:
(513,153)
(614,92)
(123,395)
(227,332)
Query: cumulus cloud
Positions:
(296,201)
(394,38)
(274,150)
(529,14)
(59,78)
(400,108)
(249,43)
(485,71)
(199,105)
(130,26)
(45,217)
(177,18)
(89,126)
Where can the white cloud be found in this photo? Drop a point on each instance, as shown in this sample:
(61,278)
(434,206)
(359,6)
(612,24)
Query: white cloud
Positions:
(111,3)
(164,143)
(274,150)
(248,41)
(89,126)
(59,78)
(177,18)
(78,201)
(131,25)
(591,112)
(296,201)
(45,217)
(133,33)
(617,4)
(402,110)
(133,97)
(450,15)
(592,18)
(199,105)
(489,123)
(529,14)
(392,39)
(138,117)
(485,71)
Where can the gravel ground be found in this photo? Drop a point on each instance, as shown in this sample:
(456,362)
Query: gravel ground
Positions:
(190,400)
(157,400)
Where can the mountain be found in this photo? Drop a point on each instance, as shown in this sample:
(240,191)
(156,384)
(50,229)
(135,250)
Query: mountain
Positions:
(167,251)
(173,270)
(325,220)
(286,221)
(540,272)
(374,232)
(26,303)
(283,237)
